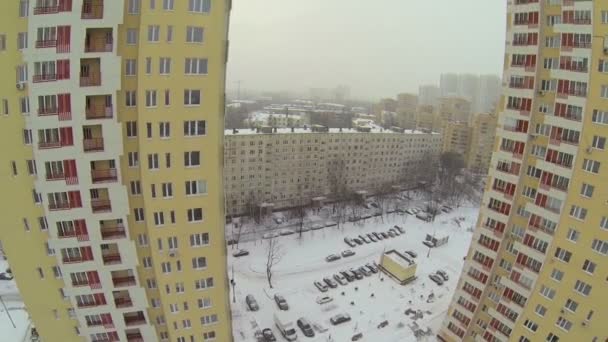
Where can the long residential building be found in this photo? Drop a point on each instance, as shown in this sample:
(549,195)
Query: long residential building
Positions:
(536,269)
(113,196)
(279,167)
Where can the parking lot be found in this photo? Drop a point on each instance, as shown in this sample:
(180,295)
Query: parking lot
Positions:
(375,303)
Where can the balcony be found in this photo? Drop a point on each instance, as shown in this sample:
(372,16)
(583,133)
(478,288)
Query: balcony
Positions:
(103,171)
(98,107)
(101,205)
(93,145)
(48,111)
(134,335)
(98,40)
(123,278)
(93,80)
(54,175)
(90,72)
(59,205)
(122,299)
(49,144)
(46,43)
(39,10)
(44,78)
(134,318)
(110,254)
(112,229)
(92,9)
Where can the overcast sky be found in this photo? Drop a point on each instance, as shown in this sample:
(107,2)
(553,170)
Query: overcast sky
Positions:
(377,47)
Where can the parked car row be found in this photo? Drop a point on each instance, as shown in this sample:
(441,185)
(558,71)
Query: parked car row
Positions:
(345,254)
(346,276)
(439,277)
(374,236)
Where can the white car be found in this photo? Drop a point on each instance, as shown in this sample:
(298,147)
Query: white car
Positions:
(330,224)
(324,299)
(317,226)
(270,235)
(284,232)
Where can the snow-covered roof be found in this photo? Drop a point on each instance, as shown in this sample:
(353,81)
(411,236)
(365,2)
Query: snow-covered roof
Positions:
(399,258)
(287,130)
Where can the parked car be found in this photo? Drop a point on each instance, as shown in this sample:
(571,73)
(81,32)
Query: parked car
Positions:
(443,274)
(231,241)
(410,211)
(347,253)
(384,235)
(304,228)
(412,254)
(281,302)
(358,241)
(358,275)
(371,268)
(330,282)
(378,236)
(286,327)
(374,204)
(394,231)
(332,257)
(372,237)
(365,271)
(270,235)
(340,279)
(339,319)
(400,229)
(284,232)
(268,335)
(437,279)
(365,239)
(348,275)
(240,253)
(391,233)
(366,216)
(350,242)
(306,327)
(317,226)
(6,276)
(357,337)
(324,299)
(252,304)
(322,287)
(330,224)
(423,216)
(278,220)
(382,324)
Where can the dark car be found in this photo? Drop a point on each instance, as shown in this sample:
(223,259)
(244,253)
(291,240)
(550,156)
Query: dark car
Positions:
(365,271)
(357,337)
(350,242)
(391,233)
(358,241)
(281,302)
(339,318)
(330,282)
(358,275)
(348,275)
(443,275)
(332,257)
(347,253)
(305,326)
(240,253)
(322,287)
(384,235)
(252,303)
(340,279)
(6,276)
(437,279)
(365,239)
(400,229)
(382,324)
(268,335)
(371,268)
(378,236)
(412,254)
(372,237)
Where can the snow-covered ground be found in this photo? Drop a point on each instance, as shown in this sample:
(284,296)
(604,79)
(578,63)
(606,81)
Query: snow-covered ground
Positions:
(303,262)
(16,311)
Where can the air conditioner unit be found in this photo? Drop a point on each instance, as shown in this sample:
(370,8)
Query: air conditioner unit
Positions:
(172,253)
(584,323)
(21,85)
(562,311)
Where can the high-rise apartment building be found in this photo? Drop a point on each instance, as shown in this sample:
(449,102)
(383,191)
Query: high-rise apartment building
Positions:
(536,268)
(113,201)
(428,95)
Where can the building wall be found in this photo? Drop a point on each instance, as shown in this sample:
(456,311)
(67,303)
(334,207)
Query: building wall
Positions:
(535,264)
(279,167)
(457,138)
(108,191)
(400,272)
(483,133)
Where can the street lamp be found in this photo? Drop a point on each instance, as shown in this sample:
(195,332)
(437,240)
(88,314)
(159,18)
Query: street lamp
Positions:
(233,283)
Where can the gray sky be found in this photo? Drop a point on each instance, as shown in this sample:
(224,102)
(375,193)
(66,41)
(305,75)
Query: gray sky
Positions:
(377,47)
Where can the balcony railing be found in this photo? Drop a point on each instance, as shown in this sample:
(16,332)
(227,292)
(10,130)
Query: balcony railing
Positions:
(55,176)
(49,144)
(48,111)
(135,320)
(98,112)
(99,45)
(116,232)
(59,205)
(111,259)
(72,260)
(93,144)
(44,78)
(123,281)
(46,10)
(92,10)
(135,337)
(90,80)
(101,205)
(105,175)
(41,44)
(123,302)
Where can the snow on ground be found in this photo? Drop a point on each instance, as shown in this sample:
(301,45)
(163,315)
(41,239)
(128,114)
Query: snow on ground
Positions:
(16,311)
(304,262)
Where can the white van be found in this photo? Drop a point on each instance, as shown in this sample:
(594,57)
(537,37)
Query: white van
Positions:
(286,327)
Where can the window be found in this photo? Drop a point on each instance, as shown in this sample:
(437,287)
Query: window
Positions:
(204,303)
(604,17)
(547,292)
(194,34)
(130,67)
(153,190)
(194,128)
(195,215)
(557,275)
(563,323)
(192,158)
(199,263)
(600,246)
(211,319)
(153,161)
(202,284)
(133,6)
(531,325)
(196,187)
(31,167)
(573,235)
(21,73)
(604,91)
(148,65)
(169,33)
(24,105)
(589,266)
(164,129)
(540,310)
(152,4)
(135,188)
(582,288)
(131,98)
(196,66)
(199,6)
(199,239)
(599,142)
(209,336)
(165,66)
(132,36)
(133,159)
(43,223)
(192,97)
(563,254)
(142,240)
(167,190)
(151,283)
(139,214)
(131,129)
(2,42)
(159,218)
(167,97)
(172,214)
(552,338)
(167,160)
(22,40)
(168,5)
(5,110)
(23,8)
(578,212)
(27,136)
(166,267)
(151,98)
(147,262)
(604,222)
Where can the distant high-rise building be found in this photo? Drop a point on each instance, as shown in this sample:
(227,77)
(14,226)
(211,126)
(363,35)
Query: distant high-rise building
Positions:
(428,95)
(489,94)
(112,206)
(407,105)
(448,85)
(536,267)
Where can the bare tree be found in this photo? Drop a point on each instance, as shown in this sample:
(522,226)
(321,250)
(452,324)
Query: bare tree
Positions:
(238,234)
(252,207)
(274,254)
(337,184)
(383,196)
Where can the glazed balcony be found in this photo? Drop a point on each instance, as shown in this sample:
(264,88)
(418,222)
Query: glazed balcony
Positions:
(103,171)
(42,9)
(122,299)
(112,229)
(100,200)
(46,43)
(134,335)
(123,278)
(98,107)
(99,40)
(110,254)
(93,138)
(92,9)
(134,318)
(90,72)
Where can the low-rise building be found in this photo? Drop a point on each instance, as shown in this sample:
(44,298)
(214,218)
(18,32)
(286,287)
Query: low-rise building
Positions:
(398,266)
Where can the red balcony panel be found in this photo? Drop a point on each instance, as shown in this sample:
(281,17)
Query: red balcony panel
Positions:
(109,233)
(123,302)
(135,319)
(104,175)
(99,205)
(123,281)
(135,337)
(111,259)
(93,145)
(98,113)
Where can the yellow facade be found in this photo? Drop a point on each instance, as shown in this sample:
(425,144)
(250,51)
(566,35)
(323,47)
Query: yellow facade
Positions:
(457,138)
(535,268)
(398,266)
(483,133)
(146,141)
